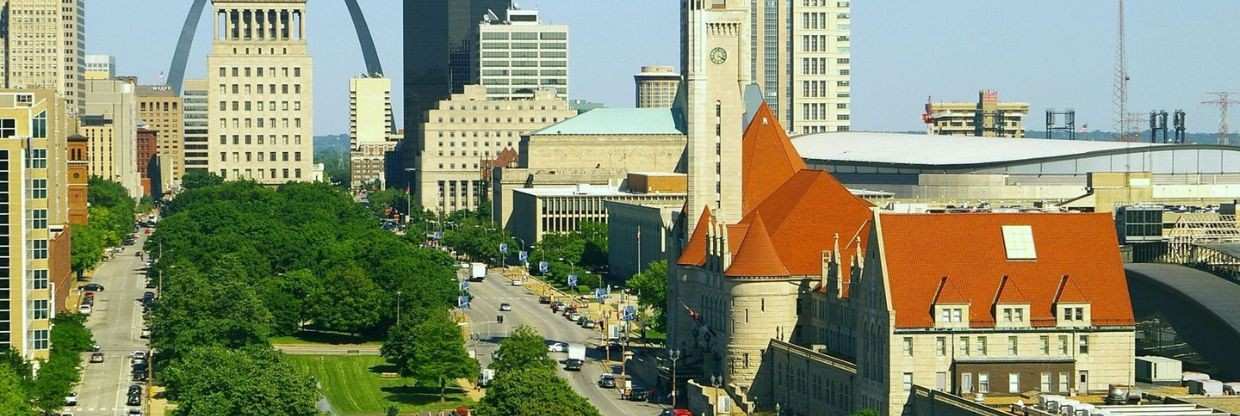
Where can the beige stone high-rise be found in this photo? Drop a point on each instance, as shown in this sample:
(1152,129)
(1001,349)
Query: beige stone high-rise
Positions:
(371,129)
(44,46)
(161,109)
(260,79)
(114,142)
(468,131)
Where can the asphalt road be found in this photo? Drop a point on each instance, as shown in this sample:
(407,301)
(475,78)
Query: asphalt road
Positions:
(526,310)
(117,325)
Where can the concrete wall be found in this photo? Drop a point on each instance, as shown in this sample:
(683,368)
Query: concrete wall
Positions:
(625,252)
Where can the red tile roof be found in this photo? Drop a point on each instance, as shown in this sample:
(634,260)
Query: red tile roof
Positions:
(803,215)
(757,255)
(767,159)
(694,253)
(919,249)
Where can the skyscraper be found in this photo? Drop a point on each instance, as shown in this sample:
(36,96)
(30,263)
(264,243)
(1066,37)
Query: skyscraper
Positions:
(161,109)
(518,54)
(440,38)
(260,99)
(800,53)
(194,97)
(111,124)
(370,129)
(43,46)
(656,86)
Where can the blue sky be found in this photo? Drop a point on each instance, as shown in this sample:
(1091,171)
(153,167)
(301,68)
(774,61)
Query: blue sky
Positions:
(1050,53)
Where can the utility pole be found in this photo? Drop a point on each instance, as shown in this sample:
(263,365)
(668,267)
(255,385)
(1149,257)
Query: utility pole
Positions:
(1223,100)
(1122,125)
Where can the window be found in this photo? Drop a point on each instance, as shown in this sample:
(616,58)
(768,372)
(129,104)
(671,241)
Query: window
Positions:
(38,278)
(38,188)
(1046,346)
(8,128)
(957,315)
(964,345)
(38,158)
(940,346)
(38,249)
(40,339)
(40,309)
(1046,383)
(38,219)
(908,346)
(940,381)
(1083,342)
(1063,345)
(1012,347)
(1013,382)
(983,382)
(39,126)
(907,381)
(1007,314)
(1063,382)
(966,383)
(981,345)
(1018,242)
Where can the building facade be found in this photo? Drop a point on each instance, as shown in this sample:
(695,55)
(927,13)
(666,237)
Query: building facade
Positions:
(194,114)
(656,86)
(99,66)
(79,178)
(518,54)
(162,111)
(33,154)
(537,212)
(261,93)
(112,107)
(371,130)
(801,59)
(465,133)
(988,117)
(44,47)
(148,161)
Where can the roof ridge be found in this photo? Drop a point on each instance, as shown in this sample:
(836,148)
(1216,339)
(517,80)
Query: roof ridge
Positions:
(694,252)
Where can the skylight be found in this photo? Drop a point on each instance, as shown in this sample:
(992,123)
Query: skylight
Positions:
(1018,241)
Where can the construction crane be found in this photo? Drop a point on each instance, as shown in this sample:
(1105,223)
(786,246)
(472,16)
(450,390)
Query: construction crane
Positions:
(1223,100)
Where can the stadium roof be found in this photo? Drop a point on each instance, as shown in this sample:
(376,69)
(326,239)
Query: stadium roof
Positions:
(936,150)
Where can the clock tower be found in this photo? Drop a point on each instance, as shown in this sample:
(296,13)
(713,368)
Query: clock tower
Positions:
(716,64)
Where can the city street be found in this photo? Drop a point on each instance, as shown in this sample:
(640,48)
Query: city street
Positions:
(117,326)
(527,311)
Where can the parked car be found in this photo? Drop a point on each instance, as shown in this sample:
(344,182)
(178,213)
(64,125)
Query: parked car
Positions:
(544,299)
(573,316)
(518,282)
(588,324)
(93,287)
(607,381)
(135,389)
(96,357)
(150,284)
(85,309)
(573,364)
(676,412)
(146,333)
(637,394)
(71,399)
(134,400)
(138,355)
(133,411)
(505,307)
(557,347)
(148,296)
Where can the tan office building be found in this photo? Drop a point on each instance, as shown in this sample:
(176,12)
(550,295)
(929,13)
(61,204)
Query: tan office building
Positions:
(464,133)
(801,58)
(656,86)
(100,66)
(371,130)
(988,117)
(162,111)
(116,150)
(45,47)
(261,93)
(519,55)
(34,278)
(194,113)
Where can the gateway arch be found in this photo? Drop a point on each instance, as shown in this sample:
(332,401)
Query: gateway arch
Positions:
(176,71)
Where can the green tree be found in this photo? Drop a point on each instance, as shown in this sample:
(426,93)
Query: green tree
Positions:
(594,252)
(86,247)
(197,311)
(349,301)
(525,348)
(13,400)
(865,412)
(69,334)
(199,179)
(398,349)
(531,392)
(651,288)
(217,381)
(439,353)
(55,381)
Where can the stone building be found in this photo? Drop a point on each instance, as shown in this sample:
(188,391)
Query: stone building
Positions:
(371,132)
(43,45)
(162,110)
(656,86)
(466,132)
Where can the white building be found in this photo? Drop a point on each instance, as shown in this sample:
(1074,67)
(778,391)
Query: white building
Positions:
(371,128)
(520,54)
(194,96)
(100,66)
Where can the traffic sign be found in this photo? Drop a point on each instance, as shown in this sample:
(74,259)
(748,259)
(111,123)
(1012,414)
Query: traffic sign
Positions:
(572,281)
(503,248)
(544,267)
(600,293)
(630,313)
(462,302)
(522,256)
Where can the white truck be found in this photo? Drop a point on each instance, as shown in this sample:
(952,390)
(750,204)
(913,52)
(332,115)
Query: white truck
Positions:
(576,357)
(477,271)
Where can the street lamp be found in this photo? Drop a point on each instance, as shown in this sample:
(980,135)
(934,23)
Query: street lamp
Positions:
(408,194)
(398,308)
(673,354)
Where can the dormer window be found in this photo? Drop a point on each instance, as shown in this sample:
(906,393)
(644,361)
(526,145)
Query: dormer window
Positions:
(951,316)
(1073,314)
(1012,315)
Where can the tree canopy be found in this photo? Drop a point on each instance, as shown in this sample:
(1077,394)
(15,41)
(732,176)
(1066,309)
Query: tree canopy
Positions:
(651,288)
(532,392)
(525,348)
(439,355)
(218,381)
(110,218)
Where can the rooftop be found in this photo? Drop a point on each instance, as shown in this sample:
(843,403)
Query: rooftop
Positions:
(935,150)
(583,190)
(620,121)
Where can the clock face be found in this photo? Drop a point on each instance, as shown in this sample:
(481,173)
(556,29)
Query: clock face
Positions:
(718,55)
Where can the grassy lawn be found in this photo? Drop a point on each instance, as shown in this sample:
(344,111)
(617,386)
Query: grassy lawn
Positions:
(308,338)
(354,386)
